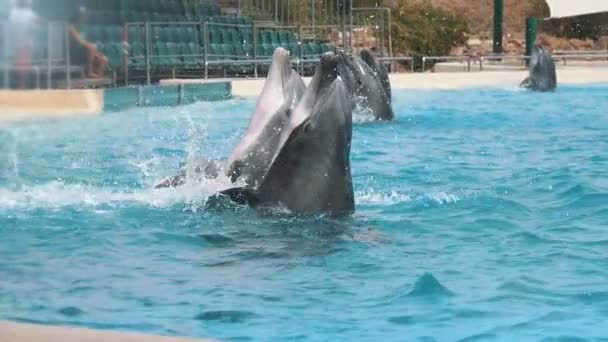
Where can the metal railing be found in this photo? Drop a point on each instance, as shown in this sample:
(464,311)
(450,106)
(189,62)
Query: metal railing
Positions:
(581,56)
(483,60)
(576,52)
(467,59)
(500,58)
(391,60)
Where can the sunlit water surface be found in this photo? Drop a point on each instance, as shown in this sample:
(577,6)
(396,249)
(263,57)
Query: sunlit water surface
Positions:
(481,215)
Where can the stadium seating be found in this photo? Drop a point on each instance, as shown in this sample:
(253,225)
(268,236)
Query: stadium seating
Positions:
(179,46)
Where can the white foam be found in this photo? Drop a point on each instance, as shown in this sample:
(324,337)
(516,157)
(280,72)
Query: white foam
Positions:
(393,197)
(442,197)
(57,194)
(375,197)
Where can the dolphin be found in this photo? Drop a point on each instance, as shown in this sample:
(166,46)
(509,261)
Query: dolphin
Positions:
(379,70)
(309,172)
(282,90)
(366,78)
(542,71)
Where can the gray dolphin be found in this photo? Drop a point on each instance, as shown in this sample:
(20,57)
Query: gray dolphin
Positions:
(379,70)
(282,90)
(310,171)
(366,78)
(542,71)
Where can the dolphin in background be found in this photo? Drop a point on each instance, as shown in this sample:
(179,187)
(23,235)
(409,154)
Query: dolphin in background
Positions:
(310,170)
(542,71)
(366,79)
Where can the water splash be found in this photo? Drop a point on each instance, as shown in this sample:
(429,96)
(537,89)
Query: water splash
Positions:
(58,194)
(362,113)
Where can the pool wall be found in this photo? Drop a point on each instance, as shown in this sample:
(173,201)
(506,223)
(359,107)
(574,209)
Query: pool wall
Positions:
(53,103)
(166,94)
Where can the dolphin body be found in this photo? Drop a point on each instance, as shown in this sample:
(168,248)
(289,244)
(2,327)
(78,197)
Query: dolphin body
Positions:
(282,91)
(542,71)
(366,78)
(309,172)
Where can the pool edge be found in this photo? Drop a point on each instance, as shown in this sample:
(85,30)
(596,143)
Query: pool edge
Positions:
(26,332)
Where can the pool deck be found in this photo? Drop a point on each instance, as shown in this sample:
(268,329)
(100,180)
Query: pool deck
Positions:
(456,80)
(15,104)
(20,332)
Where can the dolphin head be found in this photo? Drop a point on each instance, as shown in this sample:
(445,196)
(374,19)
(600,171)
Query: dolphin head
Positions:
(282,91)
(542,70)
(379,70)
(311,170)
(371,88)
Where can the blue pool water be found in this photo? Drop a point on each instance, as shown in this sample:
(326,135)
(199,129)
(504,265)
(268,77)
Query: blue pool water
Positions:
(482,214)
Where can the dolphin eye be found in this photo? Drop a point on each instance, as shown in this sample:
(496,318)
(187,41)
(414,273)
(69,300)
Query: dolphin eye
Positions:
(306,127)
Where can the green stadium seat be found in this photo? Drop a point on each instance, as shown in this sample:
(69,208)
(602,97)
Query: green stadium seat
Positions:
(274,38)
(160,55)
(176,7)
(307,52)
(215,51)
(214,35)
(191,54)
(235,37)
(175,54)
(136,34)
(156,17)
(173,34)
(227,51)
(331,47)
(248,50)
(283,37)
(137,58)
(158,6)
(225,34)
(93,33)
(130,6)
(113,52)
(114,33)
(294,49)
(247,35)
(146,5)
(264,38)
(130,16)
(188,35)
(315,49)
(156,33)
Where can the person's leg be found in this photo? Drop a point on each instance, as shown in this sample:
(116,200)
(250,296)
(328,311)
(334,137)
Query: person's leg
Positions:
(90,67)
(23,63)
(101,64)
